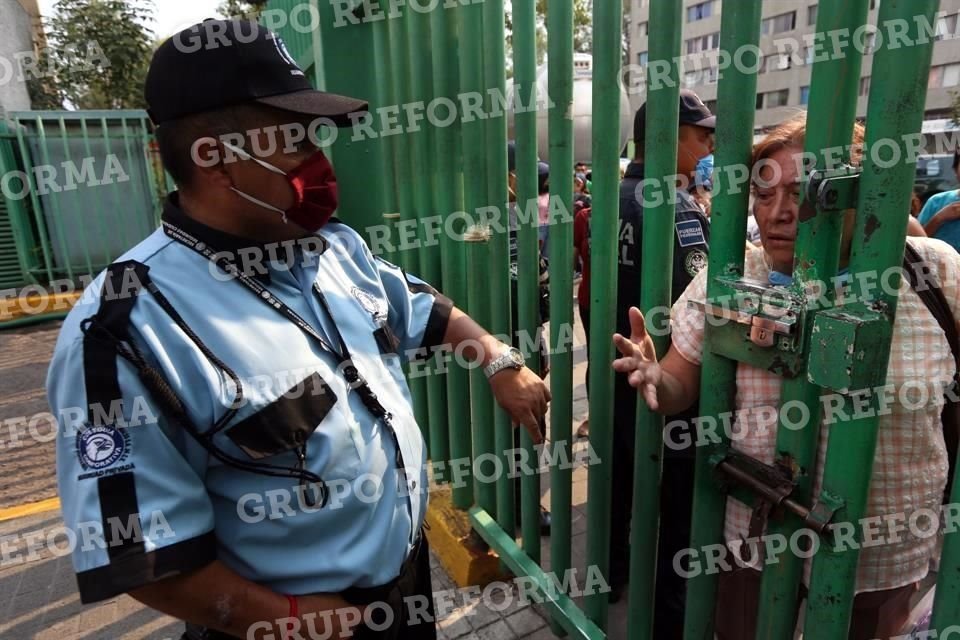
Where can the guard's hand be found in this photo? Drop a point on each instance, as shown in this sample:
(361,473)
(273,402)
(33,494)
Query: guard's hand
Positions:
(524,396)
(639,359)
(335,617)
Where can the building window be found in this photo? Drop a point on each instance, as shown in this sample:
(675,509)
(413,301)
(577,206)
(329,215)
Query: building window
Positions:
(643,58)
(708,42)
(700,11)
(812,15)
(946,26)
(691,78)
(779,24)
(773,99)
(951,75)
(804,95)
(864,86)
(699,77)
(873,4)
(935,79)
(776,62)
(870,43)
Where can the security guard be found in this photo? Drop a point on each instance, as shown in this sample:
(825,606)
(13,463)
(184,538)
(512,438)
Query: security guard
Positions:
(247,450)
(691,245)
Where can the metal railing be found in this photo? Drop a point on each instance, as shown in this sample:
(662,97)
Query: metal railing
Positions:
(80,188)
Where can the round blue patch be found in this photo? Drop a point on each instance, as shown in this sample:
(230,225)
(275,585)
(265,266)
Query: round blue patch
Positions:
(99,447)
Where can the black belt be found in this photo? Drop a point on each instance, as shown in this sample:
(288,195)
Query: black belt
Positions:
(391,593)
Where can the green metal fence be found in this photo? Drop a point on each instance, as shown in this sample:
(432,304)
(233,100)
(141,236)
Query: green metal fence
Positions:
(458,48)
(79,189)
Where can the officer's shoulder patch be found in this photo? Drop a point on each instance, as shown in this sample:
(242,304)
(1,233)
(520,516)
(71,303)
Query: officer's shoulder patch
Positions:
(695,262)
(101,446)
(690,233)
(371,304)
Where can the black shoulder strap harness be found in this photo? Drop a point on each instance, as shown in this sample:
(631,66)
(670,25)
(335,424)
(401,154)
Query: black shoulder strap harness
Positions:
(933,298)
(106,335)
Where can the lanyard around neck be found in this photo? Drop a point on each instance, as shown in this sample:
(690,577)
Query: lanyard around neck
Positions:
(262,293)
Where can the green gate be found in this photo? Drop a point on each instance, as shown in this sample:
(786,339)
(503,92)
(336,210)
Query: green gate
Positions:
(79,189)
(406,55)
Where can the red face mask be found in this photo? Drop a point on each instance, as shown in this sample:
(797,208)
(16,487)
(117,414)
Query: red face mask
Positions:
(314,186)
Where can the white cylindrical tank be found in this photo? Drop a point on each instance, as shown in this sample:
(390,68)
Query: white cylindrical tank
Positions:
(582,112)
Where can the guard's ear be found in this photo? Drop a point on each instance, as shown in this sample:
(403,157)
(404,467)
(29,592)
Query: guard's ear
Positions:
(210,157)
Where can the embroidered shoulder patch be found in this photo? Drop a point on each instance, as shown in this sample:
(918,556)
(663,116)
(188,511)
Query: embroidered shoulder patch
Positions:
(690,232)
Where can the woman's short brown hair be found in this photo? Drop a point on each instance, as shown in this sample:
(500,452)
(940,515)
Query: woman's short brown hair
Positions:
(791,133)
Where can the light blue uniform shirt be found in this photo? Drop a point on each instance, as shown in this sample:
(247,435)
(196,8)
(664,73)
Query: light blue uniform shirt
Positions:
(192,507)
(950,231)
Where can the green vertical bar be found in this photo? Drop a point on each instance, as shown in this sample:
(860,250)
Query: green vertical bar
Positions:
(475,196)
(449,193)
(877,245)
(734,142)
(140,198)
(528,269)
(19,222)
(656,268)
(477,240)
(833,93)
(421,85)
(354,153)
(155,197)
(495,83)
(408,210)
(101,206)
(54,205)
(43,232)
(385,96)
(115,189)
(946,602)
(560,124)
(67,156)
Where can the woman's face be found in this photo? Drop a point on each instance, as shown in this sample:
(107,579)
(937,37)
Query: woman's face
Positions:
(777,207)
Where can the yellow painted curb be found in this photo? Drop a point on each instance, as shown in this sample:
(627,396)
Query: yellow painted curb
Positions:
(465,558)
(35,305)
(29,509)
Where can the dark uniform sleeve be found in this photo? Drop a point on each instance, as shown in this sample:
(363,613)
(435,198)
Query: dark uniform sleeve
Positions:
(135,510)
(418,313)
(691,244)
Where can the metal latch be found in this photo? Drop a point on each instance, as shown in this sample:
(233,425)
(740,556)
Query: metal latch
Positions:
(773,487)
(766,321)
(833,189)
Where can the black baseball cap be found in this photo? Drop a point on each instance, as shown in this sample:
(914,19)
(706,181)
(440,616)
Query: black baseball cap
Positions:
(220,63)
(692,111)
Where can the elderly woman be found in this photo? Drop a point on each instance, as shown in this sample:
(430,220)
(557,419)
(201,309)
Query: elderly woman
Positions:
(910,467)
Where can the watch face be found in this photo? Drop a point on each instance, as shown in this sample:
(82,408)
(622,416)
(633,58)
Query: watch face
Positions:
(516,357)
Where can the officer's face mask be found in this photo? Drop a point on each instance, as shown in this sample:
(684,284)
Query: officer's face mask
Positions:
(704,175)
(314,186)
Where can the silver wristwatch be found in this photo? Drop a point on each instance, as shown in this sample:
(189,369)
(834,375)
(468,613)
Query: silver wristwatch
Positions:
(509,359)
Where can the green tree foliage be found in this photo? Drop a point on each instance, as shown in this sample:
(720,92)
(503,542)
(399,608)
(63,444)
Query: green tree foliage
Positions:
(582,29)
(244,9)
(101,51)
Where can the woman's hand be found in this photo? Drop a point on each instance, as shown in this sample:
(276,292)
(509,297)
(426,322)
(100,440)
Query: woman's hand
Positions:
(639,361)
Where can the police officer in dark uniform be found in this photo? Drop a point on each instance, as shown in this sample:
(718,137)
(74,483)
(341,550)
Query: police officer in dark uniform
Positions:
(691,244)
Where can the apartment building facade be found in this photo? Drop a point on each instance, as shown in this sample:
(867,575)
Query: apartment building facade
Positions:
(20,34)
(789,46)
